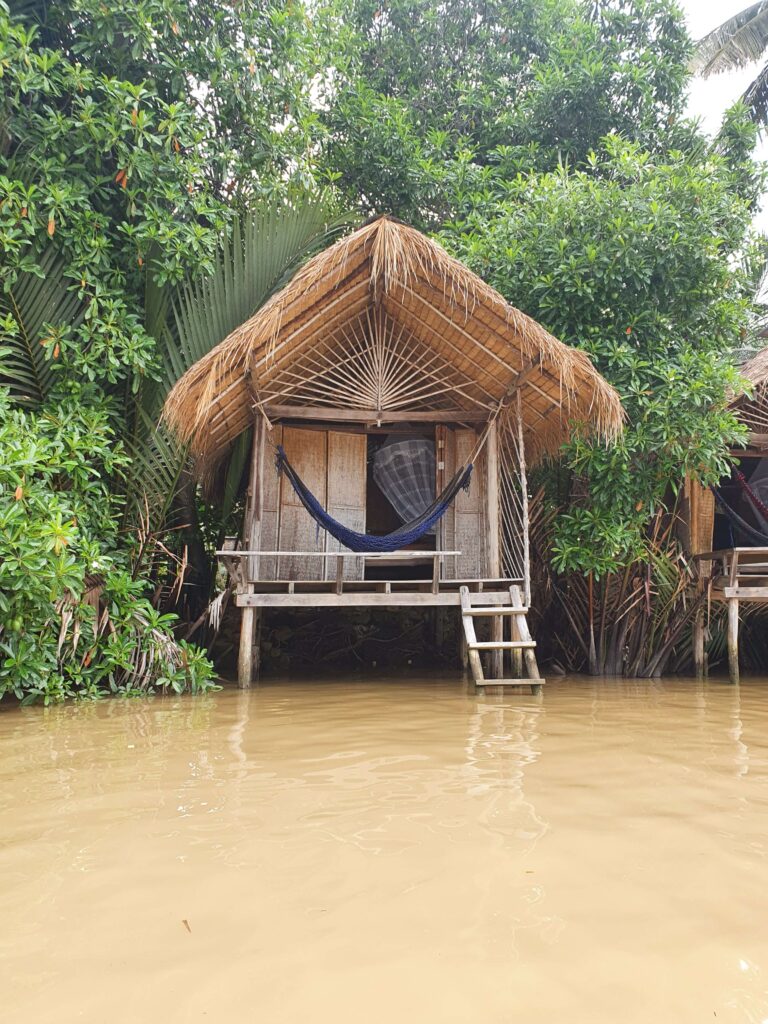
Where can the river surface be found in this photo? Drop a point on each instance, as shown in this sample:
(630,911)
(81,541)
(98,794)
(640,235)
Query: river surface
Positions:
(388,851)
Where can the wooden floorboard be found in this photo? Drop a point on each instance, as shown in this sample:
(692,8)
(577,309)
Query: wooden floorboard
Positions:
(402,599)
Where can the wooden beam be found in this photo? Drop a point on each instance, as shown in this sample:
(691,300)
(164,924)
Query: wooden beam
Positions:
(733,640)
(329,414)
(363,599)
(493,568)
(248,657)
(699,646)
(525,514)
(378,556)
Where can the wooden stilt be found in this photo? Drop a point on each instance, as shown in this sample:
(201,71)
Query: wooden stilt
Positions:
(245,657)
(497,655)
(250,625)
(733,639)
(496,658)
(256,659)
(699,661)
(517,656)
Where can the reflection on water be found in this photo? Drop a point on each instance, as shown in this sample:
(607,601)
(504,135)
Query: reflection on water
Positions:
(388,851)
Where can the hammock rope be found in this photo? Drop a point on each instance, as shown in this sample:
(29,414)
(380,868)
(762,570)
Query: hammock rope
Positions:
(406,534)
(757,504)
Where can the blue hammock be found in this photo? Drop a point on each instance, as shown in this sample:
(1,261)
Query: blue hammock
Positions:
(407,534)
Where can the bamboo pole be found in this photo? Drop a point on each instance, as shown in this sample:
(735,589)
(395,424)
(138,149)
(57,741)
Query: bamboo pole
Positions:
(699,657)
(494,532)
(524,503)
(248,662)
(733,639)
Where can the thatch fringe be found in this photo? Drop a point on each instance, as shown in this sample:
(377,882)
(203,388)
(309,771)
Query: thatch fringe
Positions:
(388,265)
(752,408)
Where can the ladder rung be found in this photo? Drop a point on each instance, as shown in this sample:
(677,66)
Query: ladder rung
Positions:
(511,682)
(501,645)
(503,609)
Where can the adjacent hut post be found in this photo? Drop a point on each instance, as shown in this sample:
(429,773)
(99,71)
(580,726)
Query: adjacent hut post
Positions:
(699,655)
(250,625)
(523,503)
(494,537)
(733,639)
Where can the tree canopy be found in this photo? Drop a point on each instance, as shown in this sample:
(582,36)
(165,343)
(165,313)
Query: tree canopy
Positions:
(545,79)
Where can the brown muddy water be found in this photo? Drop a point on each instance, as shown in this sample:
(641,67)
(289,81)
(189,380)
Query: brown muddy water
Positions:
(388,851)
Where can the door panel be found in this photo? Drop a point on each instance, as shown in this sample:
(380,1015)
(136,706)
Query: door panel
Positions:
(270,513)
(347,455)
(306,451)
(469,514)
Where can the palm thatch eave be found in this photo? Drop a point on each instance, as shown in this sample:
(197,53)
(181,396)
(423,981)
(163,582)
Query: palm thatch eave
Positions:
(388,266)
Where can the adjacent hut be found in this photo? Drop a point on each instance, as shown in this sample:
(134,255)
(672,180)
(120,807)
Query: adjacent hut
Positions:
(378,375)
(728,525)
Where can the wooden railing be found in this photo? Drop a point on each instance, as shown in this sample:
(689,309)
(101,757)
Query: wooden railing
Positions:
(232,559)
(738,566)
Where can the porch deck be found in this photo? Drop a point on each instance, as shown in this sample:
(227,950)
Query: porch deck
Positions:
(498,599)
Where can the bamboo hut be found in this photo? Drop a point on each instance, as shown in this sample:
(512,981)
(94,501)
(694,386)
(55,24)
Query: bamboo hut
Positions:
(380,340)
(727,529)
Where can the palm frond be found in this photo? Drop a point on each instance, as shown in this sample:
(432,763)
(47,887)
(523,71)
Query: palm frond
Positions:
(32,304)
(756,97)
(263,251)
(241,449)
(156,467)
(267,245)
(738,41)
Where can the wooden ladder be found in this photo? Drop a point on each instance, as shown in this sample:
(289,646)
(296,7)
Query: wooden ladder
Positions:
(516,611)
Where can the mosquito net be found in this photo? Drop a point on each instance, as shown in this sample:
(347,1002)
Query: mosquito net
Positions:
(404,469)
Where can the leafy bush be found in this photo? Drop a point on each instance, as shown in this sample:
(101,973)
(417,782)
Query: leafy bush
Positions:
(643,262)
(72,620)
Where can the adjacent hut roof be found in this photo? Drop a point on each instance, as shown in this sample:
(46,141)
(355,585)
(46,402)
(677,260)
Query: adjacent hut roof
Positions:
(386,319)
(752,409)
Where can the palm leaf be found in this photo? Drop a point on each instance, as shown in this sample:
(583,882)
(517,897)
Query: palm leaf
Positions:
(34,304)
(756,97)
(264,248)
(157,464)
(241,449)
(263,251)
(738,41)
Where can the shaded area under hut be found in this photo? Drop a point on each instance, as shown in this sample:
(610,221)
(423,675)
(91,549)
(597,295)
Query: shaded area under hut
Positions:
(380,370)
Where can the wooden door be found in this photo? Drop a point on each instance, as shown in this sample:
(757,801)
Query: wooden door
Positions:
(270,511)
(306,451)
(463,525)
(346,487)
(333,466)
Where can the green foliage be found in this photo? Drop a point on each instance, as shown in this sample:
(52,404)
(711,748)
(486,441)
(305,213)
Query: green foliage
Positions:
(546,80)
(102,172)
(636,260)
(253,260)
(72,619)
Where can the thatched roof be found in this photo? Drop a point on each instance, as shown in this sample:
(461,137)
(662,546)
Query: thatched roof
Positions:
(756,370)
(752,409)
(387,296)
